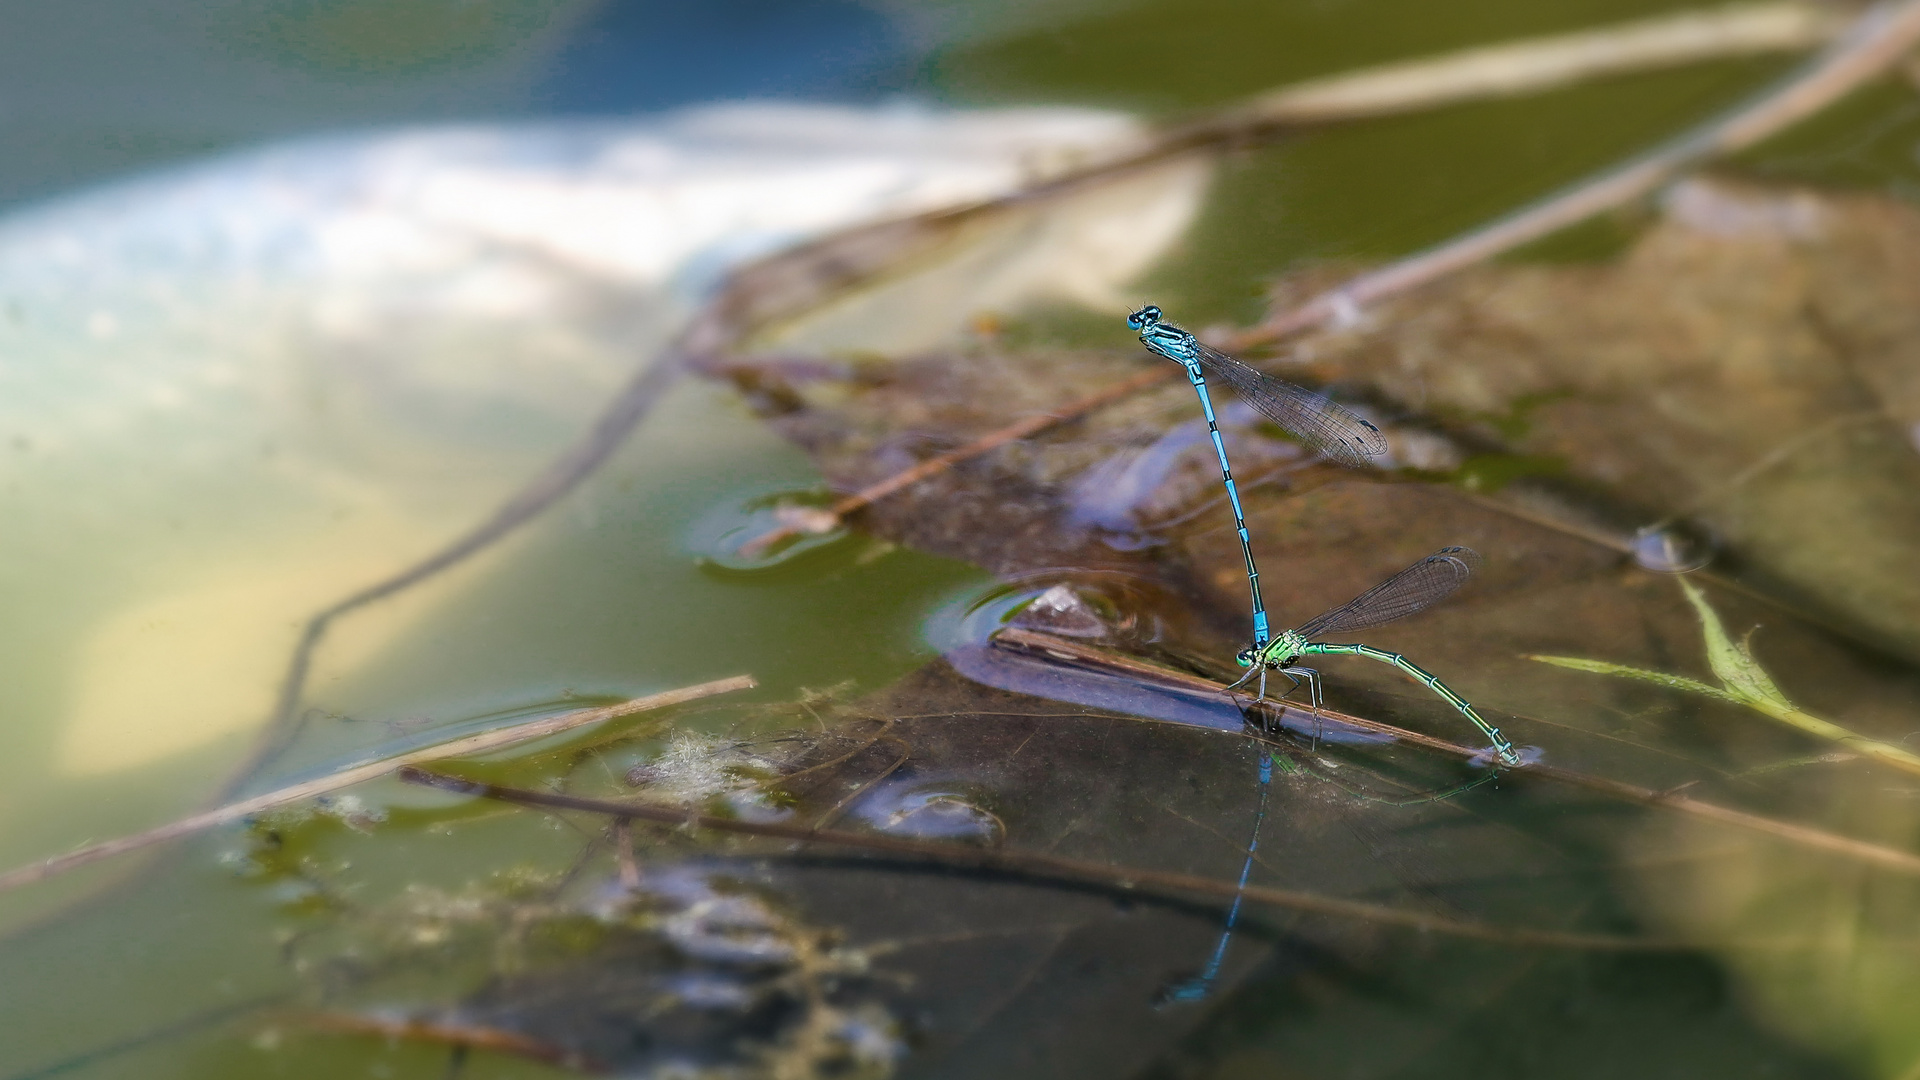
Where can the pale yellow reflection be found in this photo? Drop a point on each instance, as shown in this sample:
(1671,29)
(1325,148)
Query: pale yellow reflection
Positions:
(176,670)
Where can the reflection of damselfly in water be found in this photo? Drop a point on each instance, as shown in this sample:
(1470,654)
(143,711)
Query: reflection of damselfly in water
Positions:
(1416,588)
(1413,589)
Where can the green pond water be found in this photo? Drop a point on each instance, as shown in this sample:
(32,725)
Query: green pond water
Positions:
(195,960)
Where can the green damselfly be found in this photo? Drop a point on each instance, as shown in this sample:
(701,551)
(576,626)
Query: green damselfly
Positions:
(1416,588)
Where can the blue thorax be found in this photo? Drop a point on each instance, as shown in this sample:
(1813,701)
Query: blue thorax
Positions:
(1165,338)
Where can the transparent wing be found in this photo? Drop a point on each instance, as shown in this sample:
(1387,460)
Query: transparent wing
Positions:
(1421,585)
(1318,421)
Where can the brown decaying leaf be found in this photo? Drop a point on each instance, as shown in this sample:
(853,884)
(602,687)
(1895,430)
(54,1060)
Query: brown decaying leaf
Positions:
(1743,318)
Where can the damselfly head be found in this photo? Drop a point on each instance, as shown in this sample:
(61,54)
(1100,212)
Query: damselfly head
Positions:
(1144,319)
(1246,656)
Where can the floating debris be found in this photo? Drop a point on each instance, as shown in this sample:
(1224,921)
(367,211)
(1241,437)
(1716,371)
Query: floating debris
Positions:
(690,974)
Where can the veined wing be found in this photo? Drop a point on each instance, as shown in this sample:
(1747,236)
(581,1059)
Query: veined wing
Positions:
(1316,419)
(1419,586)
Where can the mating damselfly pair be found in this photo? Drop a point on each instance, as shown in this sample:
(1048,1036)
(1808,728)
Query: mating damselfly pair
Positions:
(1336,432)
(1342,436)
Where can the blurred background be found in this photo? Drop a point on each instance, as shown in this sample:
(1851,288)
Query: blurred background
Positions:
(296,294)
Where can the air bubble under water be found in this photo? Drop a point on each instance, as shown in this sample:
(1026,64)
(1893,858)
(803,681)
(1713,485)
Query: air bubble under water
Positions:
(1671,549)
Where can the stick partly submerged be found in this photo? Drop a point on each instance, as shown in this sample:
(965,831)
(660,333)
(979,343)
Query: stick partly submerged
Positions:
(465,746)
(1284,713)
(948,853)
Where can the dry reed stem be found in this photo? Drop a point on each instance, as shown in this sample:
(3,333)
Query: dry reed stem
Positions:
(466,746)
(1126,877)
(453,1033)
(1877,41)
(1032,425)
(1802,835)
(1532,65)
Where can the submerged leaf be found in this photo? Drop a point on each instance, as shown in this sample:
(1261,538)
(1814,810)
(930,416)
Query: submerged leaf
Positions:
(1744,368)
(1744,682)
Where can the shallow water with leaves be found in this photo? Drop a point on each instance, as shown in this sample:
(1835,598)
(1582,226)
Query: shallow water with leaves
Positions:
(1000,680)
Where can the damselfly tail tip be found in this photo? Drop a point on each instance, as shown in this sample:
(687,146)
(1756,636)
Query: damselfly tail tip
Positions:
(1184,992)
(1511,756)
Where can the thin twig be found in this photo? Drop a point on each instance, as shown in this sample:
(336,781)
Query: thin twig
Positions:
(1875,42)
(833,812)
(562,475)
(785,780)
(1126,877)
(466,746)
(1014,432)
(445,1033)
(1802,835)
(1531,65)
(1076,652)
(1782,453)
(92,1059)
(1625,546)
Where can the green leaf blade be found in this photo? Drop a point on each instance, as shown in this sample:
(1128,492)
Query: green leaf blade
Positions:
(1659,678)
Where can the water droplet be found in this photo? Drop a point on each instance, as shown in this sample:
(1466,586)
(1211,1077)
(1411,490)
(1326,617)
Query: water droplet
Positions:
(1672,549)
(765,530)
(1061,611)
